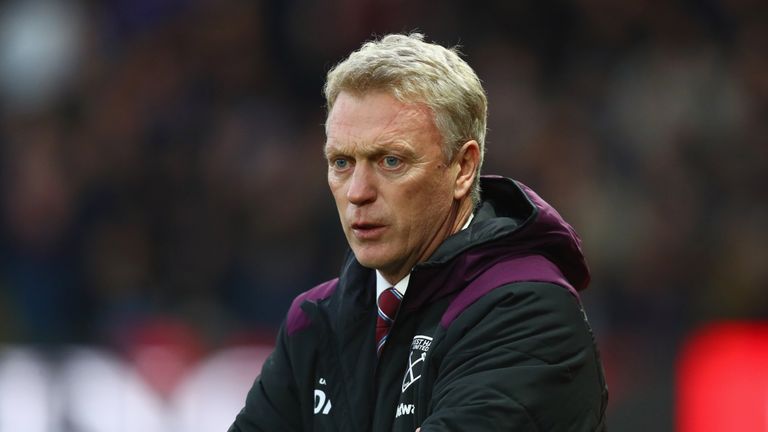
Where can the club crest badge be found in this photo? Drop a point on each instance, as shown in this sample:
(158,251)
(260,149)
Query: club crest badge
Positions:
(419,347)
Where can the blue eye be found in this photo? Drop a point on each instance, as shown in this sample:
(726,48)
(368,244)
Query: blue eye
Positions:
(340,164)
(391,162)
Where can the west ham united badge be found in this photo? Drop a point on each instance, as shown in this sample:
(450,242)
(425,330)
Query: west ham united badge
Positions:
(419,347)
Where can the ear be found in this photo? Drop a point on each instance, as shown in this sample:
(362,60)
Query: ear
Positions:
(468,162)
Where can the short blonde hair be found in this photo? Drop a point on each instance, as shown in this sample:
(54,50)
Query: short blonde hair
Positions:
(414,71)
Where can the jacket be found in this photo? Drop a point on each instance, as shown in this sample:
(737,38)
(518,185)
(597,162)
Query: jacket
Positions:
(490,336)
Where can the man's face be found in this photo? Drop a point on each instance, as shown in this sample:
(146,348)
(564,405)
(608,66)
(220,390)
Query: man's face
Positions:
(387,173)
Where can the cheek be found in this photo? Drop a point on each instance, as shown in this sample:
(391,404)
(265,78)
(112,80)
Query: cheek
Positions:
(435,193)
(337,190)
(339,199)
(426,206)
(436,204)
(333,182)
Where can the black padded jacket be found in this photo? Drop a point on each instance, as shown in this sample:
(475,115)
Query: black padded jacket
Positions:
(491,336)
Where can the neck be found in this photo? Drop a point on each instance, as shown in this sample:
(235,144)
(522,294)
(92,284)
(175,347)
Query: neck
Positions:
(462,215)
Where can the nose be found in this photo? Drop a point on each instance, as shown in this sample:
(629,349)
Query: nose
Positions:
(362,185)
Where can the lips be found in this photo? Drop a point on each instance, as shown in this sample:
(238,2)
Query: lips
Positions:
(367,231)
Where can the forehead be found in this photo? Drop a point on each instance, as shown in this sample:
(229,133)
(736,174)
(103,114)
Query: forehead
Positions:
(378,118)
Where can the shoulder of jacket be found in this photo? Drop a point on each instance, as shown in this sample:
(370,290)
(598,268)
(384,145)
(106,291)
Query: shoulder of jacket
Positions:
(297,319)
(520,305)
(531,268)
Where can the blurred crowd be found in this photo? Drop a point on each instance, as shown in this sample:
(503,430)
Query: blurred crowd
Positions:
(161,161)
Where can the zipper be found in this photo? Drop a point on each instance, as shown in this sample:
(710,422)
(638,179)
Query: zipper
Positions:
(331,358)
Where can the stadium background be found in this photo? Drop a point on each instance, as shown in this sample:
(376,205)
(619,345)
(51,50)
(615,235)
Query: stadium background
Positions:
(162,180)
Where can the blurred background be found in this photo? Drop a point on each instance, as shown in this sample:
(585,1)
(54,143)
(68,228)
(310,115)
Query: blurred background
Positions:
(163,195)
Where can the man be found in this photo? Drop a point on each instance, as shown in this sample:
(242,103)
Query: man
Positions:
(478,325)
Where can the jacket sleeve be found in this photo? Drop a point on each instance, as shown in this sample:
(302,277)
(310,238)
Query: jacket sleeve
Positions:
(272,403)
(522,359)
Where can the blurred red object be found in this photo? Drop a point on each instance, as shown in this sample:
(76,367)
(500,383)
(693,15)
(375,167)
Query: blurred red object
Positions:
(722,379)
(163,351)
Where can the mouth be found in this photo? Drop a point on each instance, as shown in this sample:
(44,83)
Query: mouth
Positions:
(367,231)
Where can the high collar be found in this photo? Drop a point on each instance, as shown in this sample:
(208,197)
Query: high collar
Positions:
(511,220)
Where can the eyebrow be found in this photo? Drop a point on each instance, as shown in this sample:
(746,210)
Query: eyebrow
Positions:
(372,151)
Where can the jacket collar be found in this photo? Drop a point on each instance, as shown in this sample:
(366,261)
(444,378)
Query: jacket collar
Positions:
(511,221)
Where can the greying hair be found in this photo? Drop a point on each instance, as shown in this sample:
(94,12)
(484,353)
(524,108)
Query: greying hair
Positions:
(414,71)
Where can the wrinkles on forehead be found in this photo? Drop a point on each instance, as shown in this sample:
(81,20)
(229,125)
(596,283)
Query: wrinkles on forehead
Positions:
(374,130)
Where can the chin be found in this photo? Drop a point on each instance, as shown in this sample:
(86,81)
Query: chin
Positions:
(369,262)
(370,259)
